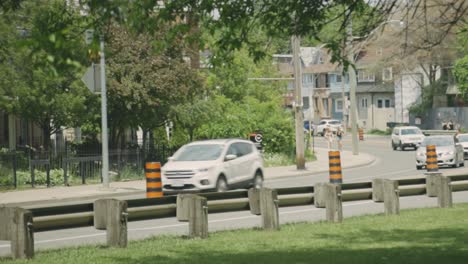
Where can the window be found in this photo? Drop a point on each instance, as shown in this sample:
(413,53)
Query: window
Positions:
(338,78)
(387,74)
(339,105)
(364,102)
(379,51)
(305,102)
(383,103)
(365,76)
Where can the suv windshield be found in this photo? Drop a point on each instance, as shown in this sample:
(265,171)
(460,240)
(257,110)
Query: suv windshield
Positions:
(334,122)
(410,131)
(463,138)
(438,141)
(199,152)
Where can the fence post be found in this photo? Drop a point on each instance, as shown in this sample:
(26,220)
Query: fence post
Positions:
(198,217)
(378,190)
(254,201)
(320,194)
(391,197)
(65,170)
(18,228)
(48,174)
(111,215)
(15,179)
(444,194)
(269,209)
(431,183)
(334,207)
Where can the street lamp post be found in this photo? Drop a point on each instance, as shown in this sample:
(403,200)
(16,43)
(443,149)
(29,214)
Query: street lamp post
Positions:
(105,142)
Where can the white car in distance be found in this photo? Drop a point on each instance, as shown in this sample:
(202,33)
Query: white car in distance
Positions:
(463,140)
(333,124)
(219,164)
(449,151)
(406,136)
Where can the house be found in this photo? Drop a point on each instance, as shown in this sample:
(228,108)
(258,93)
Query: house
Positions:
(327,90)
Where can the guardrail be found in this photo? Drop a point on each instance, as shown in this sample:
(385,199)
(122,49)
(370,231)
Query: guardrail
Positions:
(263,203)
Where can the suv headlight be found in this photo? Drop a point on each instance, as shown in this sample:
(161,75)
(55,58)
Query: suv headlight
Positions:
(421,154)
(449,153)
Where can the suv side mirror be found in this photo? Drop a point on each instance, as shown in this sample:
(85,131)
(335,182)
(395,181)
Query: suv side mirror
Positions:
(230,157)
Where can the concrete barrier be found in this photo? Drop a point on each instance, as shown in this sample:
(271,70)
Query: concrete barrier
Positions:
(333,203)
(269,209)
(391,197)
(111,215)
(16,225)
(198,216)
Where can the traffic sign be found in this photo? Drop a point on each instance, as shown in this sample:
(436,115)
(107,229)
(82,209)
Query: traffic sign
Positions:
(92,78)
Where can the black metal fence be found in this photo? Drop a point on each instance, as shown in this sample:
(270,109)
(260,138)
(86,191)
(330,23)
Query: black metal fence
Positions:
(75,165)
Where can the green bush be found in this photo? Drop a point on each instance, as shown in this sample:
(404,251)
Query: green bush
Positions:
(24,177)
(130,173)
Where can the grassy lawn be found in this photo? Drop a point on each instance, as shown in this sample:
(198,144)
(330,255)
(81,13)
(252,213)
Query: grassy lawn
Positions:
(416,236)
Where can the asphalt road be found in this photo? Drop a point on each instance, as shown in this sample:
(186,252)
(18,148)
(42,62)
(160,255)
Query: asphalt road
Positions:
(389,164)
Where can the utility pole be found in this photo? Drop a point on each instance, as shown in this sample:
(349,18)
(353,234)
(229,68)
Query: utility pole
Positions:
(300,160)
(352,87)
(105,141)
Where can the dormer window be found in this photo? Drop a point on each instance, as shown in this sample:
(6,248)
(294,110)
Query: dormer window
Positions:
(365,76)
(387,74)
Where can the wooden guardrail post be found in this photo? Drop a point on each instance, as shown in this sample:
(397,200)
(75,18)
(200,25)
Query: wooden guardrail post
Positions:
(320,191)
(16,225)
(333,204)
(431,183)
(269,209)
(391,197)
(111,215)
(377,190)
(198,216)
(444,193)
(254,201)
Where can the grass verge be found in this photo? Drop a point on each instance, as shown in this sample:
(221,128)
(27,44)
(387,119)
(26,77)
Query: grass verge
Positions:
(423,236)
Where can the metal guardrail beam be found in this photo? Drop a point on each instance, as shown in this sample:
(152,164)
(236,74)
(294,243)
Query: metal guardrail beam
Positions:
(60,217)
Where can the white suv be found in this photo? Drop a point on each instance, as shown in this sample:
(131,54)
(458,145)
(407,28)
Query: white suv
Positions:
(219,164)
(333,124)
(407,136)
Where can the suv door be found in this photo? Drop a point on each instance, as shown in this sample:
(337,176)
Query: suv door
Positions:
(247,162)
(233,167)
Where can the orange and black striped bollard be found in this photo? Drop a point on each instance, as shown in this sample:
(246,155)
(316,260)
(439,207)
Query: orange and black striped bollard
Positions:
(153,179)
(361,134)
(431,159)
(335,167)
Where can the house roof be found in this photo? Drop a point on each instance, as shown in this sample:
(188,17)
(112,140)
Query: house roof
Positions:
(375,88)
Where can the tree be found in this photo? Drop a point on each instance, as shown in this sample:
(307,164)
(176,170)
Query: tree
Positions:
(46,65)
(144,84)
(461,66)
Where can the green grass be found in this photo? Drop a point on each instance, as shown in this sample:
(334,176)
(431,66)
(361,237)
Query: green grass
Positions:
(416,236)
(281,159)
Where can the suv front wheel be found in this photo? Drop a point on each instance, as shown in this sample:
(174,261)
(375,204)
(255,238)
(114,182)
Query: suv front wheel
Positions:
(221,184)
(258,180)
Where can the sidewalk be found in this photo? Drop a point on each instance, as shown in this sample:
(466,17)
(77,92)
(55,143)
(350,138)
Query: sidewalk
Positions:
(75,193)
